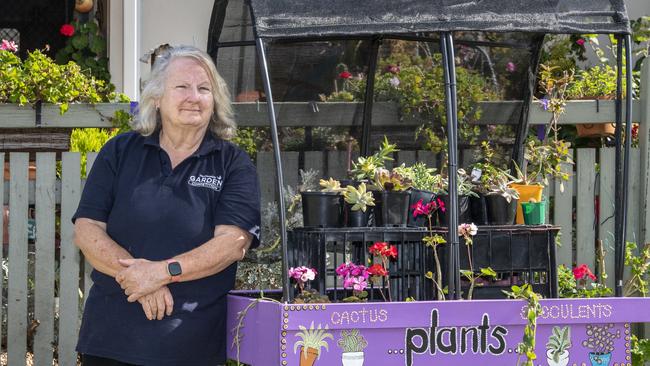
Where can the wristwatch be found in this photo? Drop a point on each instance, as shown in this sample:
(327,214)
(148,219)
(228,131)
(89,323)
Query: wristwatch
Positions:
(174,269)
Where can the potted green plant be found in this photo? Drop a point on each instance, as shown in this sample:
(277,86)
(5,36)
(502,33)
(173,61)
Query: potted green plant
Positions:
(424,182)
(352,343)
(501,200)
(311,342)
(356,208)
(364,168)
(465,191)
(557,348)
(323,208)
(392,198)
(597,82)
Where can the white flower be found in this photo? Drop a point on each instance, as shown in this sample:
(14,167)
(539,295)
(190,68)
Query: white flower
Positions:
(394,81)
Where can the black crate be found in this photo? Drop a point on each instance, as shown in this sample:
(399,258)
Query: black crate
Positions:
(326,248)
(519,254)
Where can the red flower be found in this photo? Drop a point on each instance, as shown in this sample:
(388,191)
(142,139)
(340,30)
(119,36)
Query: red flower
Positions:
(441,205)
(378,248)
(391,252)
(67,30)
(580,42)
(377,270)
(635,131)
(345,75)
(582,271)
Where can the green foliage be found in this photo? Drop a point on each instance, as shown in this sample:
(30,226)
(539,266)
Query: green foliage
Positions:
(639,265)
(352,341)
(359,198)
(526,347)
(640,351)
(40,79)
(312,338)
(364,168)
(562,52)
(424,178)
(544,160)
(87,48)
(249,139)
(568,286)
(85,140)
(559,341)
(310,296)
(597,82)
(396,180)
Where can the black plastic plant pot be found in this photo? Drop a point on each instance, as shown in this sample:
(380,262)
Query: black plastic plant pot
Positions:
(478,210)
(356,218)
(464,214)
(499,210)
(321,209)
(391,208)
(426,197)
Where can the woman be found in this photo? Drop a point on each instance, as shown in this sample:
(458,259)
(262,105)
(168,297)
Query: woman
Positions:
(166,213)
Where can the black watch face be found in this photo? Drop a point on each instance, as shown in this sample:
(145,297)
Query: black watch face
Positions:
(174,268)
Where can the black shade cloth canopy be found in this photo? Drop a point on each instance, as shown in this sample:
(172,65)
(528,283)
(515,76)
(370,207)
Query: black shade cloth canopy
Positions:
(313,18)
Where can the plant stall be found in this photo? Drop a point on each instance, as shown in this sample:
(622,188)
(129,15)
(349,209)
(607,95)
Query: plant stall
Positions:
(372,289)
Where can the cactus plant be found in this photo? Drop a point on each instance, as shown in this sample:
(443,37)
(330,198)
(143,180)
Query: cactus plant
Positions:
(352,341)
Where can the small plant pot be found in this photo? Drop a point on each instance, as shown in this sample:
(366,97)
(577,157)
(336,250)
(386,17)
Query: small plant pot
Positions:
(526,193)
(321,209)
(563,360)
(356,218)
(426,197)
(595,129)
(478,210)
(500,211)
(600,359)
(352,358)
(534,212)
(464,214)
(308,356)
(391,208)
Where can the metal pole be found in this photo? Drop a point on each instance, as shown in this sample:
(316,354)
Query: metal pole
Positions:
(369,99)
(618,188)
(266,80)
(620,260)
(453,273)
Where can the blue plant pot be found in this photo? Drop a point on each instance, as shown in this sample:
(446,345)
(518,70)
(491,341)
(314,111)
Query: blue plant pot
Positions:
(600,359)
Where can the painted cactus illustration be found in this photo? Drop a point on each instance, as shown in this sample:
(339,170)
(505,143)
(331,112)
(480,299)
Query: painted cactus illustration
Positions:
(600,339)
(557,348)
(352,343)
(310,343)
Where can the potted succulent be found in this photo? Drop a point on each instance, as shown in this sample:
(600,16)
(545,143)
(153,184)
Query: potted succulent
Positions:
(482,173)
(365,167)
(323,208)
(391,197)
(501,200)
(557,348)
(465,191)
(352,343)
(311,342)
(357,200)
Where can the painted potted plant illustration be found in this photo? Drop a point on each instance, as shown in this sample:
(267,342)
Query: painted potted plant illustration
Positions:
(557,348)
(352,343)
(310,343)
(600,340)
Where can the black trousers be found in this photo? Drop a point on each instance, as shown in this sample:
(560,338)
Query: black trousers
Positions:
(89,360)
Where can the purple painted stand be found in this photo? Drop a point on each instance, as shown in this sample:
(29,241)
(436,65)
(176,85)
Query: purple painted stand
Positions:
(478,332)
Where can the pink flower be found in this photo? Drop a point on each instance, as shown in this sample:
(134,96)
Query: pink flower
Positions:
(466,230)
(580,42)
(419,208)
(582,271)
(393,69)
(9,46)
(345,75)
(302,274)
(67,30)
(511,67)
(355,283)
(343,270)
(441,205)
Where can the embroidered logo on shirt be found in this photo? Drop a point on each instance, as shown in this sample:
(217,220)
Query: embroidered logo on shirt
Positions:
(207,181)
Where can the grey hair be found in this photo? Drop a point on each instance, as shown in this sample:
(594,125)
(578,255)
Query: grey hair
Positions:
(222,122)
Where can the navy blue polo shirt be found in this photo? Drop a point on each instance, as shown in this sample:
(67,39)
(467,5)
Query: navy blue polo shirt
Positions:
(155,213)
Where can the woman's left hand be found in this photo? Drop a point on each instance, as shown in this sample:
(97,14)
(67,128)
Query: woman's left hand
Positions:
(141,277)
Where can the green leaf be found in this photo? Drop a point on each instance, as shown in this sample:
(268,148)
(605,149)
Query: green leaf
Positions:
(79,42)
(97,45)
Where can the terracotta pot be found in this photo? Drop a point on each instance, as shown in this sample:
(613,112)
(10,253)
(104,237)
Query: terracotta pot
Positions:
(32,171)
(83,6)
(595,129)
(309,357)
